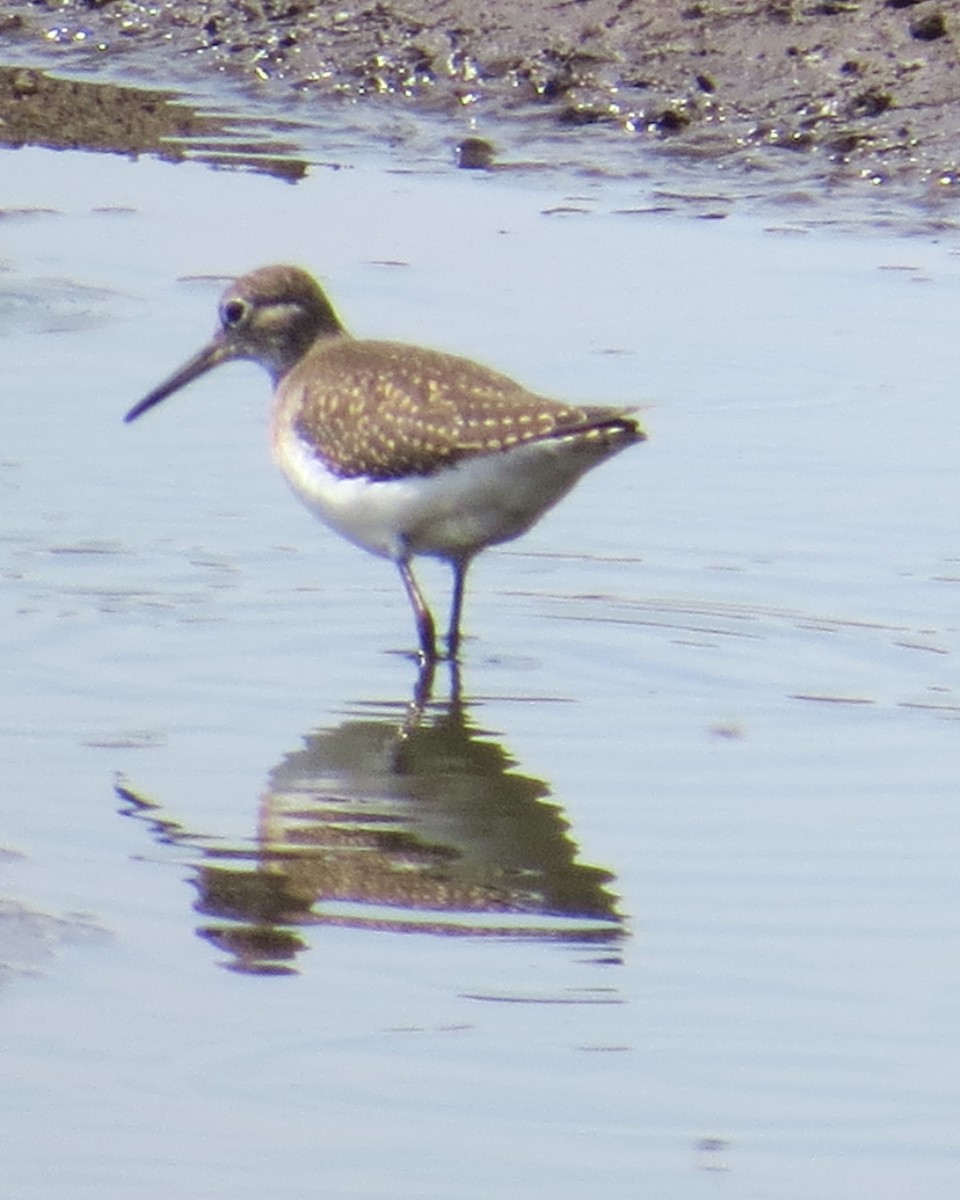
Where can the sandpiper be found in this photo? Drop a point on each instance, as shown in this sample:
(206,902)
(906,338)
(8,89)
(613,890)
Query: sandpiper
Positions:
(403,451)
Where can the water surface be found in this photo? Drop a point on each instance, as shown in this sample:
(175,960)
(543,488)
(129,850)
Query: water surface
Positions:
(663,897)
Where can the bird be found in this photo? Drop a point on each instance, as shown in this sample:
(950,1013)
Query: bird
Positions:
(402,450)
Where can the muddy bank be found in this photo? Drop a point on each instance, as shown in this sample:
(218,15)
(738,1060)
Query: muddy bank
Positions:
(36,109)
(871,87)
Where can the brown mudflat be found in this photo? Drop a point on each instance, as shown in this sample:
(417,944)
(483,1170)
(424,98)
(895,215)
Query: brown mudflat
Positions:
(870,84)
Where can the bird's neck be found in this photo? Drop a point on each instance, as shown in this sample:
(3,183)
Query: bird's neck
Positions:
(298,348)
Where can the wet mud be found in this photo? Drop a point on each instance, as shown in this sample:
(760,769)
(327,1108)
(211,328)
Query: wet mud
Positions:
(871,86)
(37,109)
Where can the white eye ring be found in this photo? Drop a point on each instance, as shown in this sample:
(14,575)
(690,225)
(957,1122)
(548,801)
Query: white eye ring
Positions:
(234,313)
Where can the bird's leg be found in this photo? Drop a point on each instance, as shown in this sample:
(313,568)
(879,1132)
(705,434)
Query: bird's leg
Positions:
(424,618)
(460,567)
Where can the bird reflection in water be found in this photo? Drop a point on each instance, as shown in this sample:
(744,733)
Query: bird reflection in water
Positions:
(408,817)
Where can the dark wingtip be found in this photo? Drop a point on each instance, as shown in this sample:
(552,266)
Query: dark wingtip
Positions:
(625,424)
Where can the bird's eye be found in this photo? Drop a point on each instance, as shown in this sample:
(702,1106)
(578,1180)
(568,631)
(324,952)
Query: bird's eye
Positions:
(233,313)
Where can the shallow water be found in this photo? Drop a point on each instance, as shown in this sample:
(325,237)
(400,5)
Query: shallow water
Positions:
(664,898)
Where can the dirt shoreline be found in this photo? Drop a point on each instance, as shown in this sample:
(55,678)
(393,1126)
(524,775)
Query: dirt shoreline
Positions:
(871,87)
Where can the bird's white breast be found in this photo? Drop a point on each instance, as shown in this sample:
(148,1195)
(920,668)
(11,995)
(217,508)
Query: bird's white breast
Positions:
(451,513)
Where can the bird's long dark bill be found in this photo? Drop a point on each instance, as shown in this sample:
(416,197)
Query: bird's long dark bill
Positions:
(210,356)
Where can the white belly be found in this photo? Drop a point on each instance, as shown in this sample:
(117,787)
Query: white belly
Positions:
(450,514)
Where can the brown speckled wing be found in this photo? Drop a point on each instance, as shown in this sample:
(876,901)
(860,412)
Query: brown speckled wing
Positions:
(386,409)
